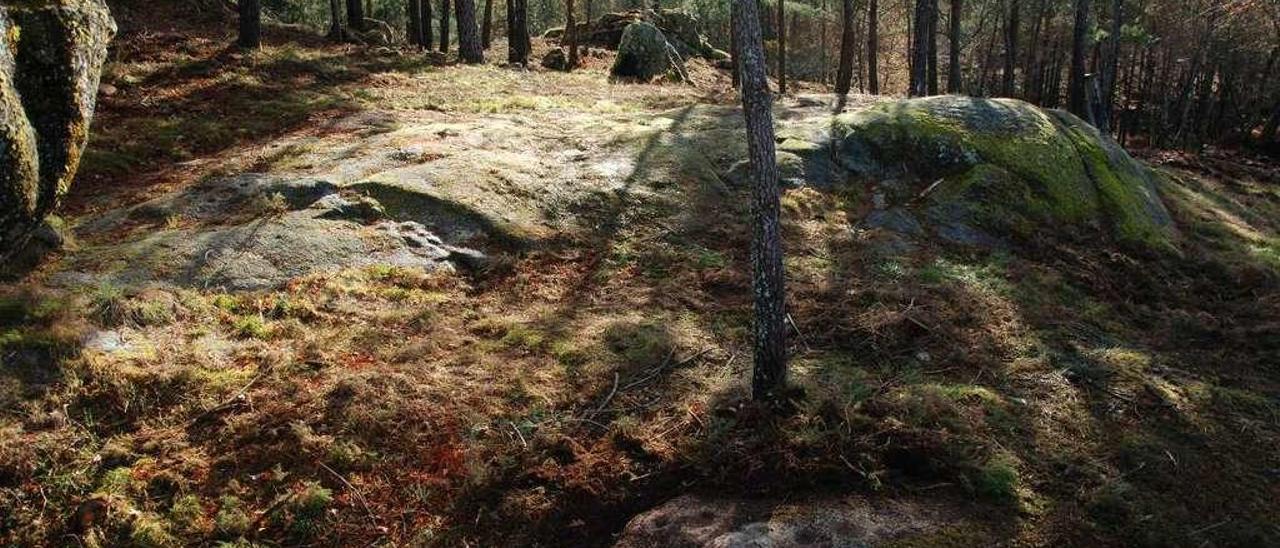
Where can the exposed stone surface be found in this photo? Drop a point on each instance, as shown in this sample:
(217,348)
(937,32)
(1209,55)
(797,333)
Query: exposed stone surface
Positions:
(50,63)
(253,231)
(441,191)
(999,165)
(691,521)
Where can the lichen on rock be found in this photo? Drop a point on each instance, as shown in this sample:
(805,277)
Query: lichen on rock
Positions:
(50,65)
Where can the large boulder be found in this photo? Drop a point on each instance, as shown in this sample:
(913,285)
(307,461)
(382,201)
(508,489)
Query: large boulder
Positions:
(50,63)
(979,170)
(682,29)
(644,54)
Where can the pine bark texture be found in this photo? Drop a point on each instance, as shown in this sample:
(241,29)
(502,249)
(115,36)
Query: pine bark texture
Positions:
(469,48)
(954,78)
(920,50)
(571,34)
(770,369)
(782,47)
(518,44)
(873,47)
(844,74)
(444,26)
(1077,102)
(1010,50)
(335,20)
(486,29)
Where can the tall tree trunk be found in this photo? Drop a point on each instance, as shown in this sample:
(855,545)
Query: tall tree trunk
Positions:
(413,22)
(1010,50)
(428,37)
(770,371)
(782,47)
(355,14)
(250,24)
(1111,67)
(953,73)
(335,20)
(735,53)
(1032,71)
(571,34)
(1077,102)
(933,47)
(518,32)
(824,67)
(469,48)
(844,73)
(873,48)
(486,29)
(444,26)
(920,50)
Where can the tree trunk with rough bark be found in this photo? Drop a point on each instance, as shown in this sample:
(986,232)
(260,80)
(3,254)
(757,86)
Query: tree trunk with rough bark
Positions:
(444,26)
(920,50)
(1077,102)
(469,48)
(770,371)
(486,29)
(428,37)
(1008,77)
(873,47)
(355,14)
(735,53)
(250,24)
(844,74)
(571,34)
(782,48)
(413,22)
(335,20)
(932,42)
(518,32)
(953,38)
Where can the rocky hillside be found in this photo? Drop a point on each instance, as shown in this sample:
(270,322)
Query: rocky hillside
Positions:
(320,295)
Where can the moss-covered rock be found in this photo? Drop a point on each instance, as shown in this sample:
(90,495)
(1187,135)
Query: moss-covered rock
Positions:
(644,54)
(1000,165)
(50,62)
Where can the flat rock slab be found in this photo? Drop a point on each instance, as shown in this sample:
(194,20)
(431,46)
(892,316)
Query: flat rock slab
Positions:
(693,521)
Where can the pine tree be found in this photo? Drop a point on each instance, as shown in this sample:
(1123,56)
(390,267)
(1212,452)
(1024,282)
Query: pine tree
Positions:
(250,24)
(469,48)
(770,372)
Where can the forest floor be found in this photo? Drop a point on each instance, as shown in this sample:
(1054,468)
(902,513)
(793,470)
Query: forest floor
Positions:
(1058,393)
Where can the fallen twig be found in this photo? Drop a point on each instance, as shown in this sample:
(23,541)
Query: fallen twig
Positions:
(372,518)
(608,398)
(663,367)
(799,333)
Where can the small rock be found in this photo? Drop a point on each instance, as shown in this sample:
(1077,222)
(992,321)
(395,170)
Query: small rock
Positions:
(105,341)
(469,259)
(896,220)
(555,60)
(351,208)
